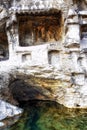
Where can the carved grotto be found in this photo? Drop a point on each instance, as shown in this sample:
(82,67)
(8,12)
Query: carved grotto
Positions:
(43,51)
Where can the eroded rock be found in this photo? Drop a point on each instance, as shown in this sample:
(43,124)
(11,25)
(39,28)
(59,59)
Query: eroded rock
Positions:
(7,110)
(43,51)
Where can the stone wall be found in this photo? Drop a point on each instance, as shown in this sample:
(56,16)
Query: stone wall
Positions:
(47,48)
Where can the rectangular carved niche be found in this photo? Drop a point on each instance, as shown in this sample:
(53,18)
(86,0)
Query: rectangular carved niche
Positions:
(26,57)
(54,58)
(39,29)
(4,53)
(83,30)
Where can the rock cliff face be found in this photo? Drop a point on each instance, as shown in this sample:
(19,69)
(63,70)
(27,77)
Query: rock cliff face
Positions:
(43,51)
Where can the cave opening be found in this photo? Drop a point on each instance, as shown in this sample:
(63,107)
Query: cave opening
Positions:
(4,51)
(36,29)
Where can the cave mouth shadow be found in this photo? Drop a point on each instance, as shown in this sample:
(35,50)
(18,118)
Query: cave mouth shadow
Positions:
(26,94)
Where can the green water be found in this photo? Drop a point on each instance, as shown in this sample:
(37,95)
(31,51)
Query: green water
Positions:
(51,116)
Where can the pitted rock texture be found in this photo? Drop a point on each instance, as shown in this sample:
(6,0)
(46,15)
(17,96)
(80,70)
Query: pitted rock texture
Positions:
(43,43)
(8,110)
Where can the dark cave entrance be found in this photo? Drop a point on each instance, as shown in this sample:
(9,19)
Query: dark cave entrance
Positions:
(4,49)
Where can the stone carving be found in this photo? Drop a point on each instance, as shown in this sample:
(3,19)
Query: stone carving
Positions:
(54,58)
(34,30)
(47,46)
(26,57)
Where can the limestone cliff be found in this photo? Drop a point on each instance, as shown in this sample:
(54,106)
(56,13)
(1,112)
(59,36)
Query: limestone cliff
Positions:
(43,51)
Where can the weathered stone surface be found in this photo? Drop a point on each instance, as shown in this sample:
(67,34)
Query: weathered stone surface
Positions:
(45,51)
(8,110)
(3,15)
(1,124)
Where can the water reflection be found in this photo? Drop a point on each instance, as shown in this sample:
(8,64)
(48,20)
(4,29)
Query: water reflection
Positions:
(51,116)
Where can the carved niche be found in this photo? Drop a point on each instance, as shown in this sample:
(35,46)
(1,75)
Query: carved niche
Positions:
(39,29)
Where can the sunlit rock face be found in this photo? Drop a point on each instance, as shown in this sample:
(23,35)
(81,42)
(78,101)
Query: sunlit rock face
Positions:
(43,51)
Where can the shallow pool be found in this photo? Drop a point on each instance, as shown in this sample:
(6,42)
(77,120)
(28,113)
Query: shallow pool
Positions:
(39,115)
